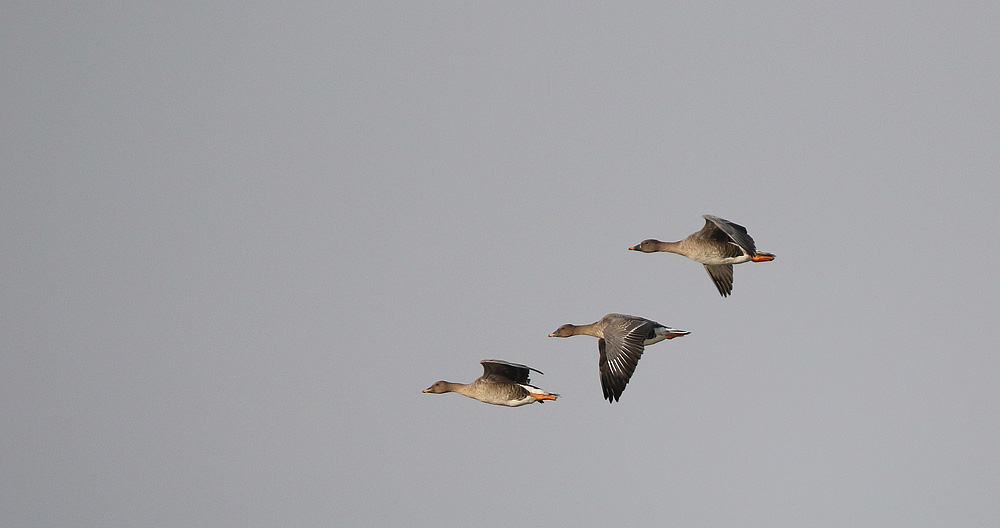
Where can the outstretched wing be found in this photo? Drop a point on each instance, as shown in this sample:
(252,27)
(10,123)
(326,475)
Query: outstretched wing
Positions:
(620,351)
(498,368)
(722,276)
(734,233)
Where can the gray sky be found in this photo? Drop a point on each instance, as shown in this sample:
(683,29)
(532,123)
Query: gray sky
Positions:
(240,240)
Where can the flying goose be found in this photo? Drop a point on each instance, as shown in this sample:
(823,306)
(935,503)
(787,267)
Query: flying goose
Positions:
(502,383)
(718,246)
(621,339)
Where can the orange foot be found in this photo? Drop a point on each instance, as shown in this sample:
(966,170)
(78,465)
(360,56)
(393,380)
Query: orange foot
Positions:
(762,257)
(543,396)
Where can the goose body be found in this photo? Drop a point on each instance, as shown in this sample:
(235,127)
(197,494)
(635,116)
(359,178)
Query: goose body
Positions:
(502,383)
(621,340)
(718,245)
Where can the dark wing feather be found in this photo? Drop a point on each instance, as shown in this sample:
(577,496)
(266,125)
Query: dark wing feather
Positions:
(497,368)
(732,232)
(722,276)
(722,242)
(621,349)
(711,231)
(606,379)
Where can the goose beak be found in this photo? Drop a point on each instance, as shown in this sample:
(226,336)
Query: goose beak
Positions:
(634,248)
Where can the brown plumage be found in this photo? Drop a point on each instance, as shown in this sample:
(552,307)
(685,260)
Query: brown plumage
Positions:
(621,340)
(502,383)
(718,246)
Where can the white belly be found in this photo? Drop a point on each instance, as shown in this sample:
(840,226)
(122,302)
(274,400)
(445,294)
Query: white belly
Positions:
(715,259)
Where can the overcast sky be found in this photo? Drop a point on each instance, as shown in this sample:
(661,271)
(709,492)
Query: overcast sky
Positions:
(239,240)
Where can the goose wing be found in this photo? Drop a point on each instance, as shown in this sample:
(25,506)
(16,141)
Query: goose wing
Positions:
(620,349)
(722,276)
(720,228)
(500,370)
